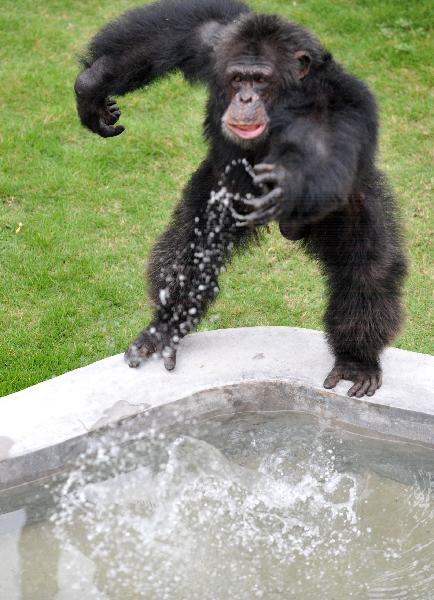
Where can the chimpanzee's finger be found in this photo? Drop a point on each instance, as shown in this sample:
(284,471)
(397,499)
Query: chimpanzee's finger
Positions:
(376,381)
(256,218)
(266,179)
(333,378)
(263,168)
(356,388)
(169,358)
(264,201)
(109,130)
(110,118)
(364,388)
(140,349)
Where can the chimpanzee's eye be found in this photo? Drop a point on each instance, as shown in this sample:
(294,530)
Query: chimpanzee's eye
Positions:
(260,79)
(236,81)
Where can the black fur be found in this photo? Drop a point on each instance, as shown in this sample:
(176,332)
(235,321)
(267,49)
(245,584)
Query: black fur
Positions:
(325,188)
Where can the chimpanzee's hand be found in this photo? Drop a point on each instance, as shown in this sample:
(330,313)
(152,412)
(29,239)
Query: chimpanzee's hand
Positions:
(96,113)
(269,179)
(151,341)
(101,116)
(366,378)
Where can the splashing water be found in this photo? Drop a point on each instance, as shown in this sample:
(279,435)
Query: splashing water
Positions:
(190,283)
(153,535)
(273,507)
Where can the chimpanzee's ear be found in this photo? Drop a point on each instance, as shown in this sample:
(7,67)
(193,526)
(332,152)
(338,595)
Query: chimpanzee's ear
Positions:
(304,61)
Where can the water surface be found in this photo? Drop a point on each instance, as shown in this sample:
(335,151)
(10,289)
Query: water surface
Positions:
(274,506)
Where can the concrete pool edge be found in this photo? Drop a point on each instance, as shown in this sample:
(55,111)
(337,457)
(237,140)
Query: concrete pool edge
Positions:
(261,369)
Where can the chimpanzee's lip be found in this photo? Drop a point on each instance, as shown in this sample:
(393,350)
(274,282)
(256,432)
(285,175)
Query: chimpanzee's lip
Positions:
(248,131)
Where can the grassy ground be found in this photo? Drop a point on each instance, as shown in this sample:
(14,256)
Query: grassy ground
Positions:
(78,214)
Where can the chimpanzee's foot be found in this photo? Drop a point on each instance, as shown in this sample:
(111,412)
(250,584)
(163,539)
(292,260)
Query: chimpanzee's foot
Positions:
(366,378)
(146,344)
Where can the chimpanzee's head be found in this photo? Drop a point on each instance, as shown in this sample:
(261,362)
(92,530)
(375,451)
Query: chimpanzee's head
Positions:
(257,58)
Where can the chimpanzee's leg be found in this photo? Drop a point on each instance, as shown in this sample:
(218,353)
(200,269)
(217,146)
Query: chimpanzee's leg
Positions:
(184,267)
(360,248)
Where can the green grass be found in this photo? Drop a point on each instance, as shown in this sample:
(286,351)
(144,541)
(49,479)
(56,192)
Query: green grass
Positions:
(79,214)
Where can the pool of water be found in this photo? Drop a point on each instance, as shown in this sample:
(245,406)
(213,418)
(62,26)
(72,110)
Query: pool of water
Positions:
(273,506)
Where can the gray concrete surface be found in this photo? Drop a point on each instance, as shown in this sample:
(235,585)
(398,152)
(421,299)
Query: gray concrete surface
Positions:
(258,368)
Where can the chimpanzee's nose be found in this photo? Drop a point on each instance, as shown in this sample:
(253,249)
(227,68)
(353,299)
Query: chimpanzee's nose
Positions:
(246,97)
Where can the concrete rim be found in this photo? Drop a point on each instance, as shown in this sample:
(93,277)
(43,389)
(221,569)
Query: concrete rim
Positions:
(226,371)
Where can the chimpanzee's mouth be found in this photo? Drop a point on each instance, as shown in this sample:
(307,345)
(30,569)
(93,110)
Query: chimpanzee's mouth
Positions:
(248,131)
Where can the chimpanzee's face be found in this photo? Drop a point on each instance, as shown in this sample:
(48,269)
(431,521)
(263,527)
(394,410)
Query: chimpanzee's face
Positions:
(250,85)
(252,81)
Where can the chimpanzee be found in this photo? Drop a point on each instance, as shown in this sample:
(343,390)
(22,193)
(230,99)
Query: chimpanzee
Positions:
(277,101)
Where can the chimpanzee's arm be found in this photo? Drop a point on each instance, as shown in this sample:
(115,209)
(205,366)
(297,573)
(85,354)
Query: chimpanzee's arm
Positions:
(186,262)
(146,43)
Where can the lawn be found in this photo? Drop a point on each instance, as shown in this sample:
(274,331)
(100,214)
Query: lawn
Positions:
(79,214)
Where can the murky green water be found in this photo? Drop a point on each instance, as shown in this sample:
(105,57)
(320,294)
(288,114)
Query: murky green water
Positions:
(271,507)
